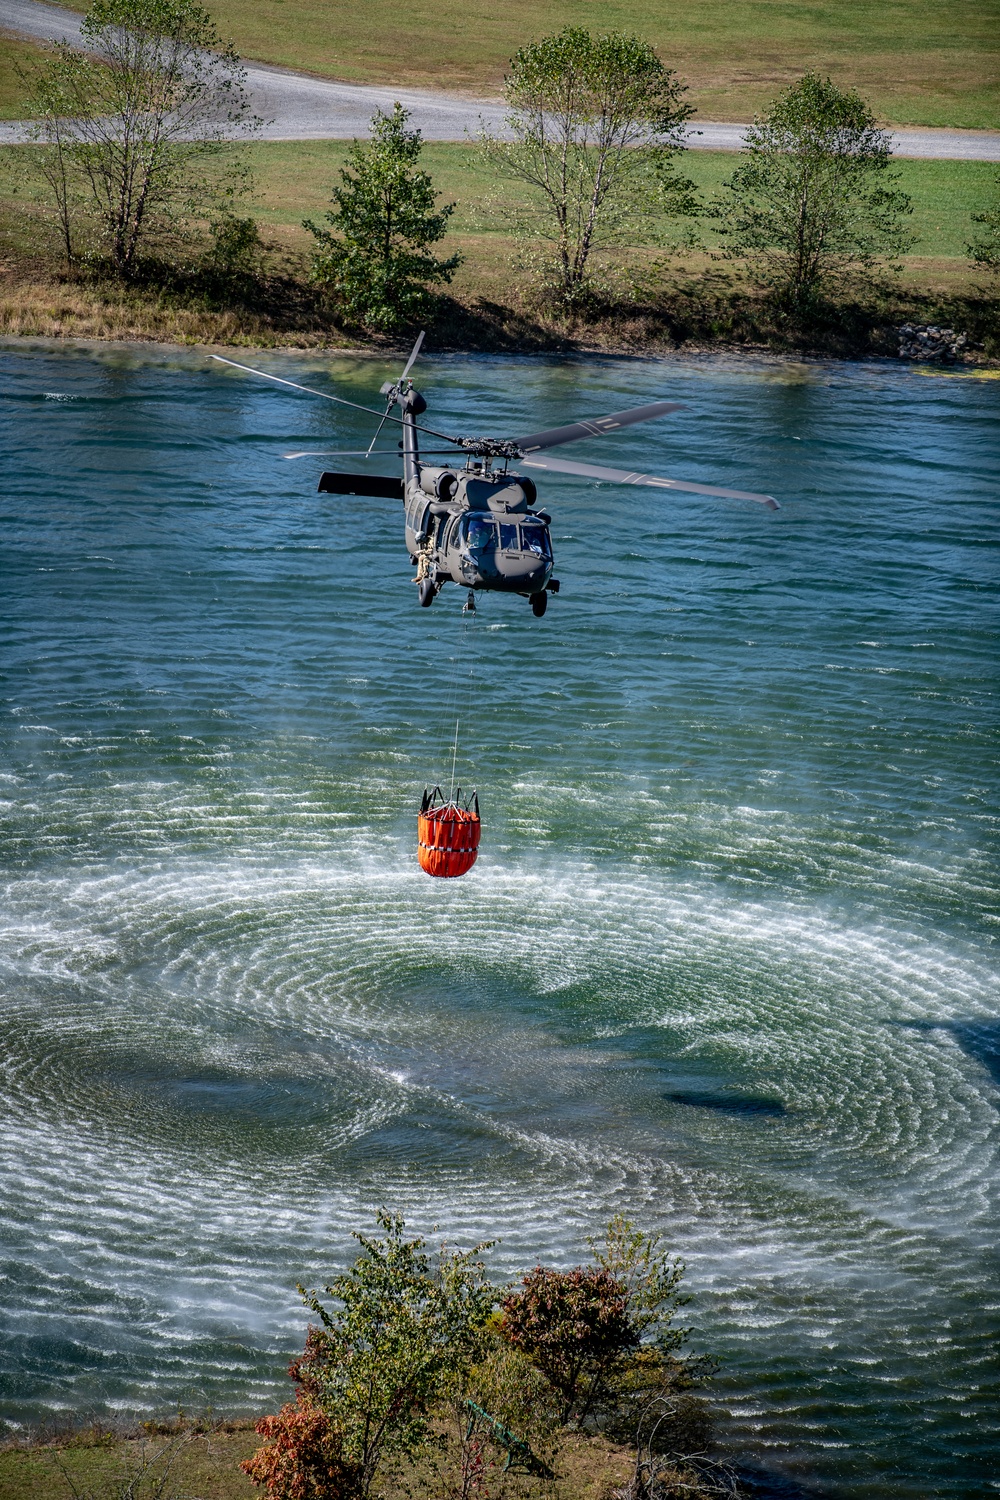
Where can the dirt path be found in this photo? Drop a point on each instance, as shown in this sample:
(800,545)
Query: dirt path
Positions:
(298,107)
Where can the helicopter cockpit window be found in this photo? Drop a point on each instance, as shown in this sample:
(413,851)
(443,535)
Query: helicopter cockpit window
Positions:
(536,539)
(508,538)
(480,533)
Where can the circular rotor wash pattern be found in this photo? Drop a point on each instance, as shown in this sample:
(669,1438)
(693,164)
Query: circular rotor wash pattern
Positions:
(725,963)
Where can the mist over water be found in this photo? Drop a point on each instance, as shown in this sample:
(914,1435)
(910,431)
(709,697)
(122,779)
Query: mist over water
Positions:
(727,961)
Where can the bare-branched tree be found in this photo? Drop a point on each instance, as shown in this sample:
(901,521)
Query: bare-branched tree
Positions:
(133,130)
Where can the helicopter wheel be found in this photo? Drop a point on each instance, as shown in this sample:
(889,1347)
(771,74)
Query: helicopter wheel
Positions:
(538,604)
(425,592)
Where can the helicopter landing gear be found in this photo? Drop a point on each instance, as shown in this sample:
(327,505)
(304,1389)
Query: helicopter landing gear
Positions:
(469,607)
(538,604)
(426,589)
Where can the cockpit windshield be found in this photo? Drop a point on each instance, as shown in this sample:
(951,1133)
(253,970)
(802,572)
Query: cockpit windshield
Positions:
(536,539)
(480,533)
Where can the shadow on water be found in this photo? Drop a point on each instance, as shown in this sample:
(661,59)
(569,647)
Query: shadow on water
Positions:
(729,1104)
(979,1040)
(764,1484)
(697,1084)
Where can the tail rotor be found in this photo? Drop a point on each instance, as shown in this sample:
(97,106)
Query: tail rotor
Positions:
(390,391)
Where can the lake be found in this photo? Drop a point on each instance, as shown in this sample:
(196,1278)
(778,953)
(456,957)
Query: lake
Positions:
(727,962)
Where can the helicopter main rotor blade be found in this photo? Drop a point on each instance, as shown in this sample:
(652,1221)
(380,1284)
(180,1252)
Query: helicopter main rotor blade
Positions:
(364,453)
(413,356)
(625,476)
(372,411)
(595,426)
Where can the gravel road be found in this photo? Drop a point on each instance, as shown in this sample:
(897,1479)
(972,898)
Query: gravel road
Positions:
(297,107)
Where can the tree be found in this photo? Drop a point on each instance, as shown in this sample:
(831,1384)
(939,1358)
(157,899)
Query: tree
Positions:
(813,198)
(374,258)
(400,1330)
(985,250)
(134,126)
(596,122)
(601,1331)
(574,1326)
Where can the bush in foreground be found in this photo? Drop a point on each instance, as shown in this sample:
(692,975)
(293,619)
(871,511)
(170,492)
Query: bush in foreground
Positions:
(303,1458)
(419,1359)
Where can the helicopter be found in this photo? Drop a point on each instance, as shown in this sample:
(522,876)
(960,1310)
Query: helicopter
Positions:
(474,521)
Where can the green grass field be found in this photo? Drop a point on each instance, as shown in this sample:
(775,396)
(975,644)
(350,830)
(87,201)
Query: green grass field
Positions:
(920,62)
(295,177)
(14,54)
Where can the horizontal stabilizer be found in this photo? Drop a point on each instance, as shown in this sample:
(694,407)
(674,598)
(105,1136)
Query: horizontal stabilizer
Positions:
(379,486)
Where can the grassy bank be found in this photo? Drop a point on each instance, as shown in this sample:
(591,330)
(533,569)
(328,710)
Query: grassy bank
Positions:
(919,63)
(206,1464)
(687,296)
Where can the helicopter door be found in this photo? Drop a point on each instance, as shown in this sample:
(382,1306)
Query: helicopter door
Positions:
(417,518)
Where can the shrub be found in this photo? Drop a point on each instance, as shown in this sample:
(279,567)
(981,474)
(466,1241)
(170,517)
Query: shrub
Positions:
(602,1333)
(400,1331)
(574,1326)
(236,246)
(303,1458)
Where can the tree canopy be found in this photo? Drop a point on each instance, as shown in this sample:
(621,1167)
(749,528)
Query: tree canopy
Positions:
(813,197)
(375,256)
(595,123)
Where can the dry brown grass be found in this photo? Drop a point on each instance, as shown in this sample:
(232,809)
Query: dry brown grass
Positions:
(39,308)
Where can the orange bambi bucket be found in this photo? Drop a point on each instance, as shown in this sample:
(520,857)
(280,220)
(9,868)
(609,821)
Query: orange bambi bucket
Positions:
(448,834)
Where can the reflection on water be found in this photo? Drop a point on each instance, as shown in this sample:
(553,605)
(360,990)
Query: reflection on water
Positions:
(726,960)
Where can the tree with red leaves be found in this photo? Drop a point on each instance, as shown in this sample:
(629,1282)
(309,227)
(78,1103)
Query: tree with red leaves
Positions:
(584,1328)
(303,1458)
(574,1326)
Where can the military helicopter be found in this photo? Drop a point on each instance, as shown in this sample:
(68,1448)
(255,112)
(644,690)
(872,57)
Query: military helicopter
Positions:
(474,521)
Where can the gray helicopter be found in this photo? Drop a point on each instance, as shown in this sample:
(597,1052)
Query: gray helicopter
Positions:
(473,521)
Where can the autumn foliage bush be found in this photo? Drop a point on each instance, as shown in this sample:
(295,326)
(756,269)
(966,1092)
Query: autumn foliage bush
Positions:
(574,1327)
(303,1458)
(603,1335)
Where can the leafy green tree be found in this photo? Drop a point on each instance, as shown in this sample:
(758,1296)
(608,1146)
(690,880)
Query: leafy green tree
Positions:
(374,258)
(813,198)
(401,1328)
(985,249)
(595,123)
(133,127)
